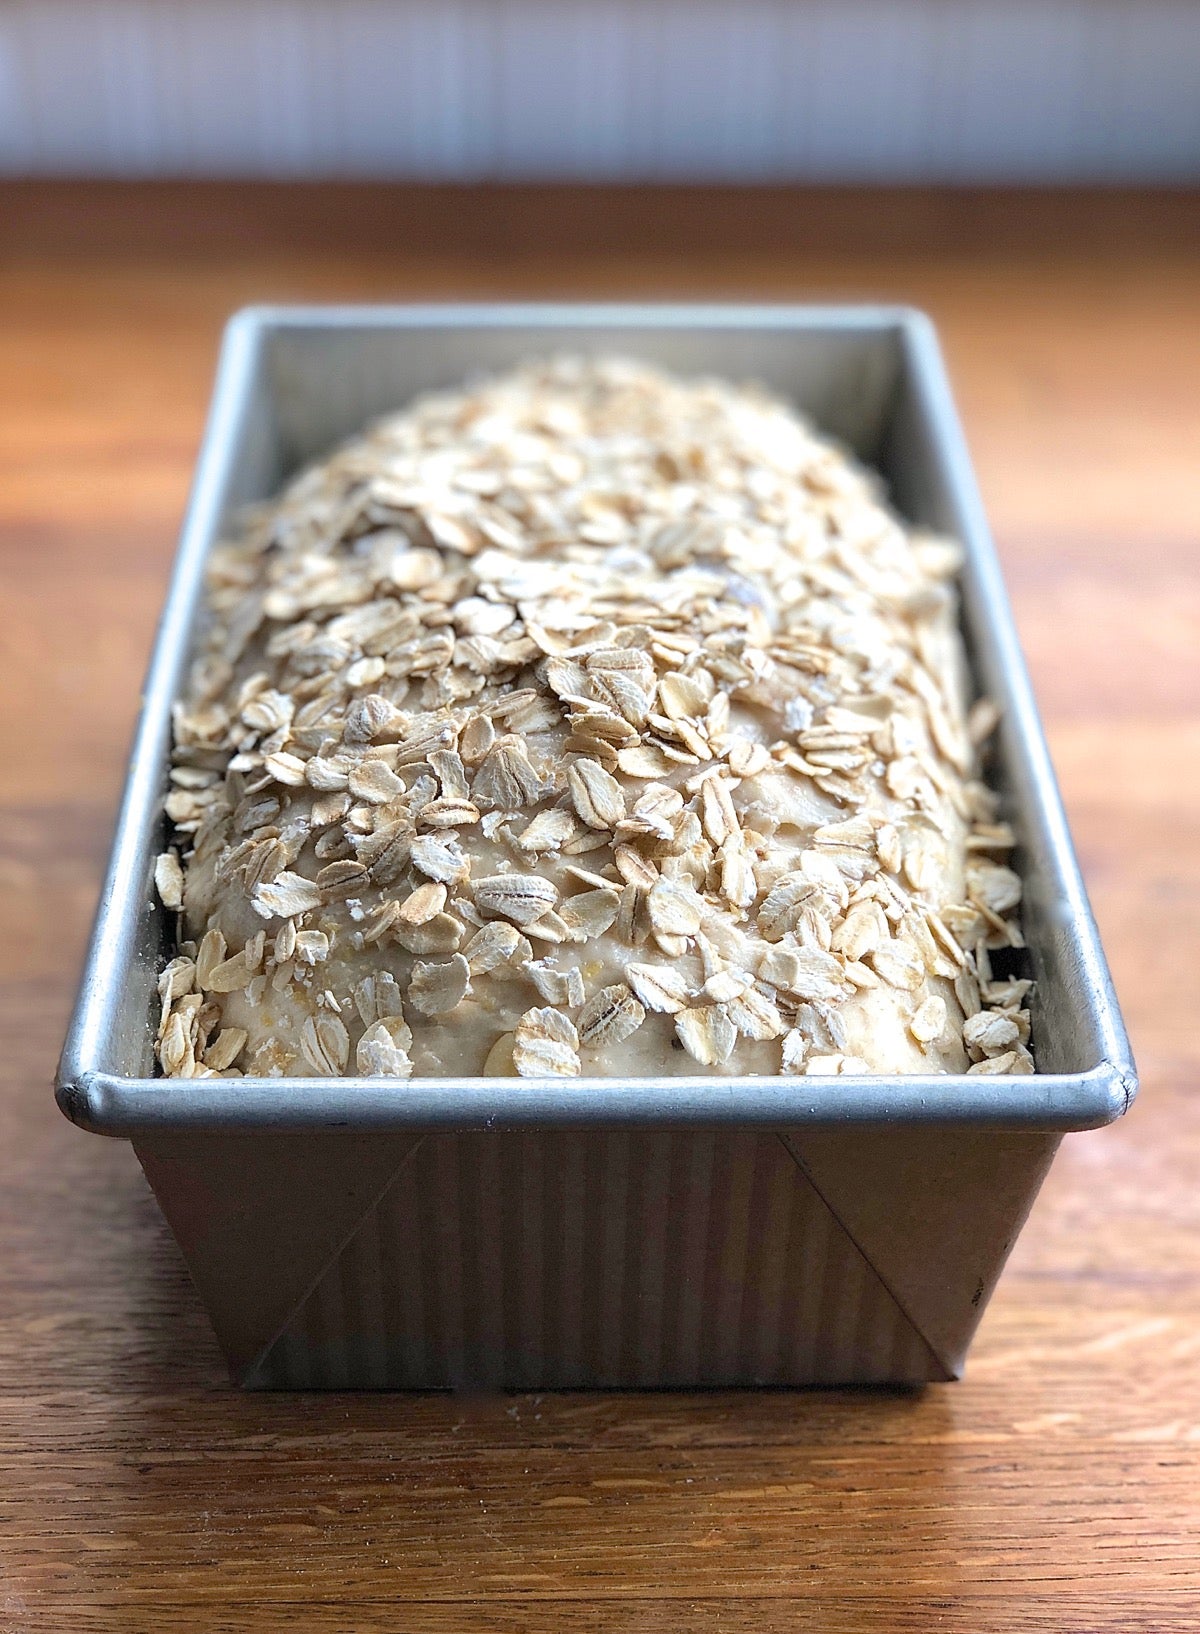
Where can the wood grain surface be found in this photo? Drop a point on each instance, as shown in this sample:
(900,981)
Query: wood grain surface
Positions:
(1057,1487)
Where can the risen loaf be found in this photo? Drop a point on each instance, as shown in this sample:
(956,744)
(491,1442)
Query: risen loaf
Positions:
(593,721)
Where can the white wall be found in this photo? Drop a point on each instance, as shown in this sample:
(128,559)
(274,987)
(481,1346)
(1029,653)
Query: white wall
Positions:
(620,89)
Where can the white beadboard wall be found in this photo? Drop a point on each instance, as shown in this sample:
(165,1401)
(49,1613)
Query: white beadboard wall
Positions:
(733,90)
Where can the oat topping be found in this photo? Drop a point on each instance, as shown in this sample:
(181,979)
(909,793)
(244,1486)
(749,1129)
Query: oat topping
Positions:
(546,1044)
(610,1016)
(585,721)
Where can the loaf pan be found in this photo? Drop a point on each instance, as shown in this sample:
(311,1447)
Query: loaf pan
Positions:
(608,1232)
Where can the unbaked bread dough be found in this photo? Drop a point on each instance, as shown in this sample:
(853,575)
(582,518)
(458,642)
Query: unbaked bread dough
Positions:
(585,720)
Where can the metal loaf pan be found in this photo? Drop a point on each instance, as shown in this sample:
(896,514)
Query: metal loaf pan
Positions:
(530,1234)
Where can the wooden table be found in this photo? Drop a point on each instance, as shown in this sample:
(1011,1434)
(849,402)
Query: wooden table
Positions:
(1058,1487)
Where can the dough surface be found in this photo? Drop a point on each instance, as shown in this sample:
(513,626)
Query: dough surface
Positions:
(585,720)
